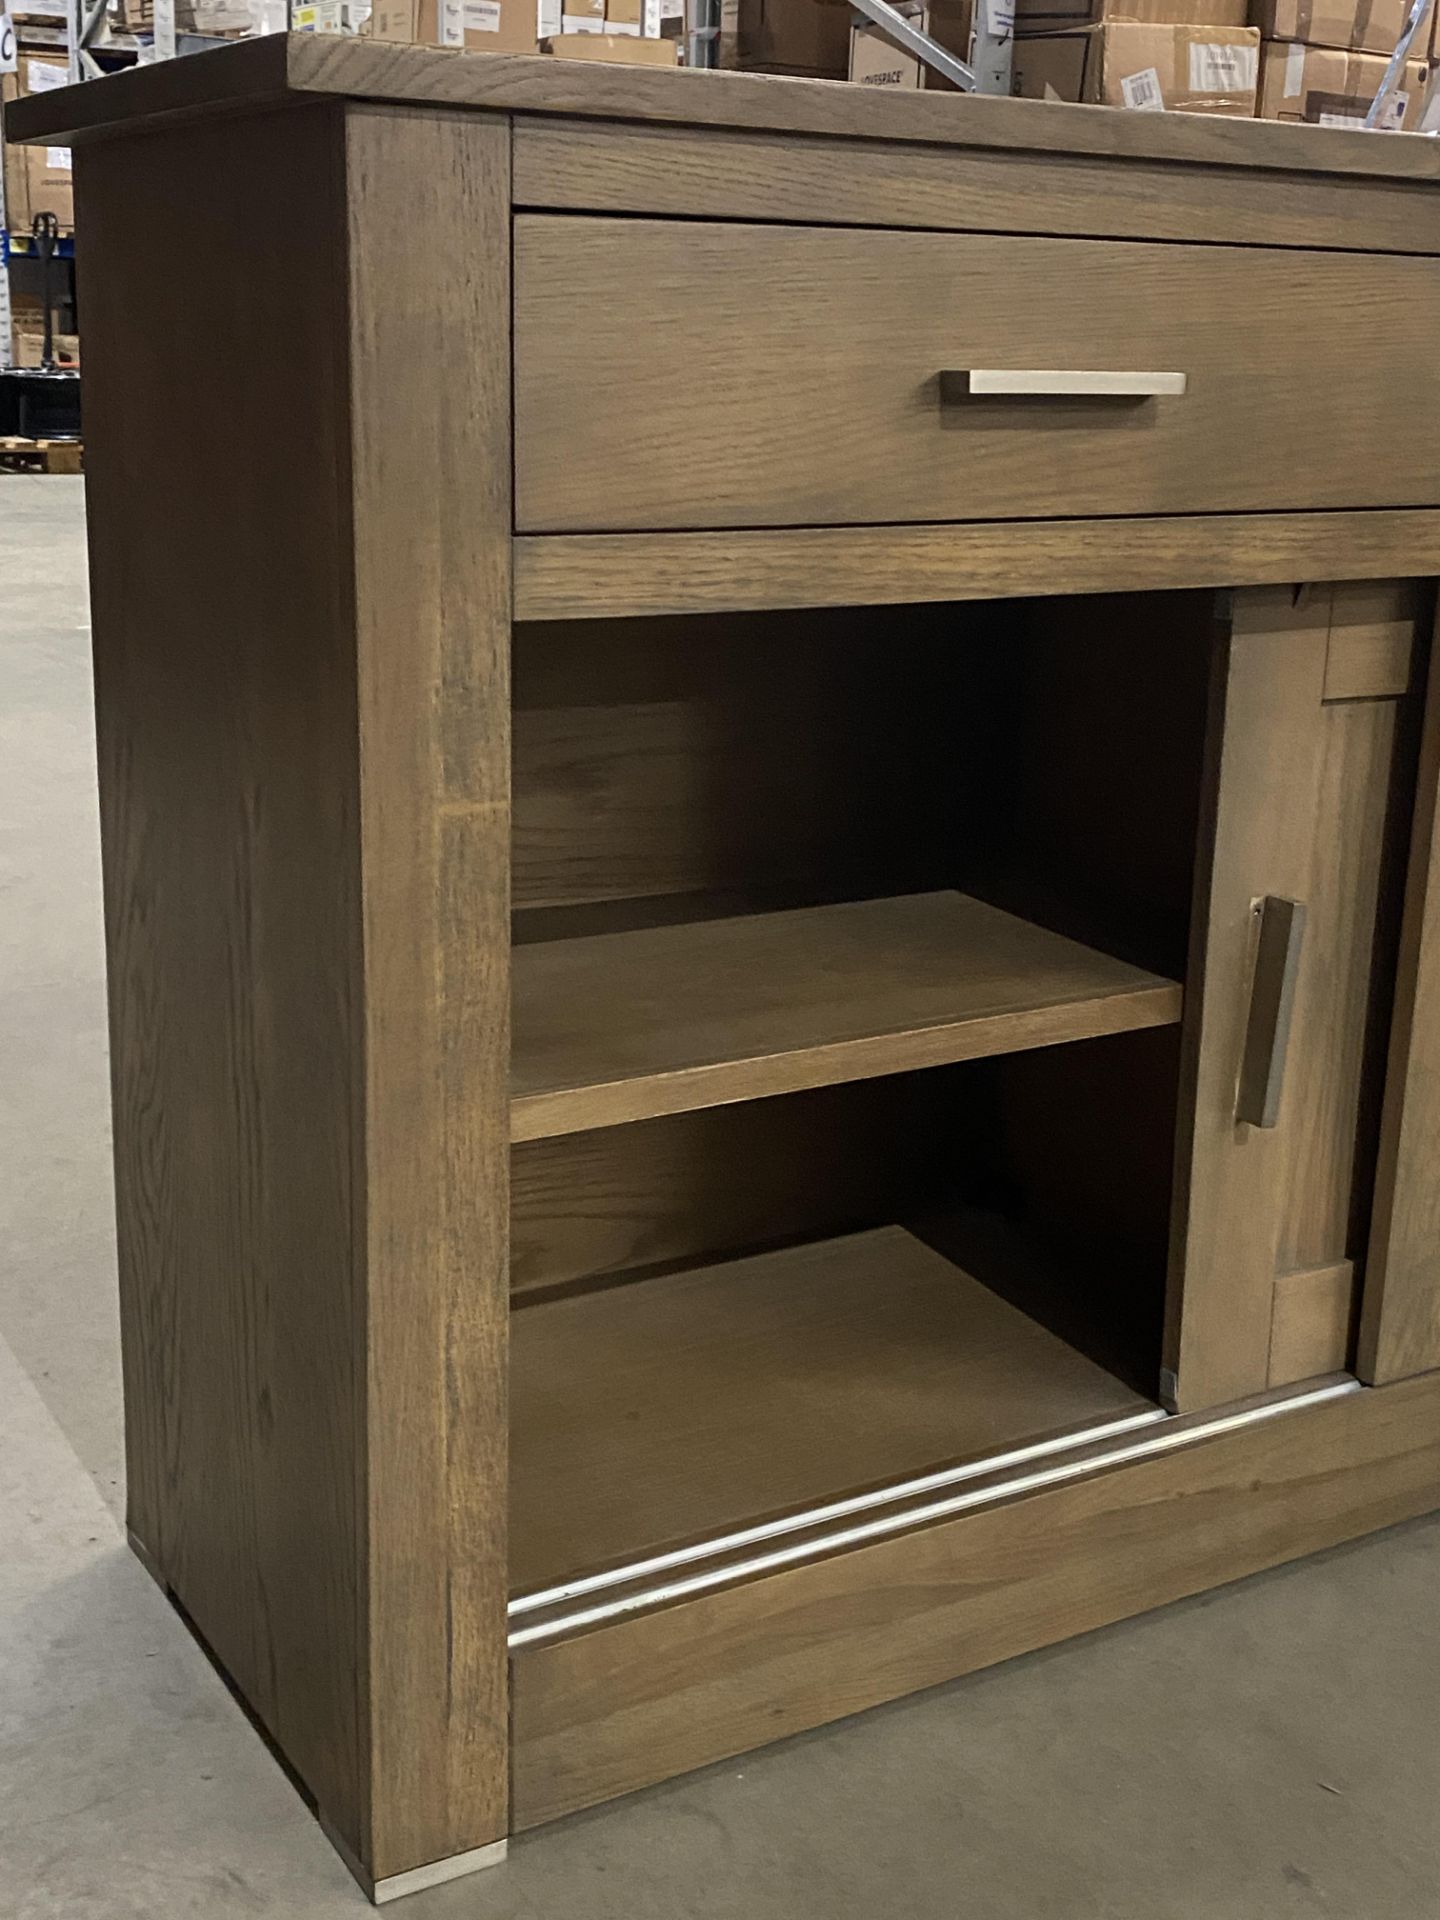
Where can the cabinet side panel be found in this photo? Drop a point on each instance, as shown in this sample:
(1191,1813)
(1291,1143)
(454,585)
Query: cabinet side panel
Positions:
(215,411)
(430,353)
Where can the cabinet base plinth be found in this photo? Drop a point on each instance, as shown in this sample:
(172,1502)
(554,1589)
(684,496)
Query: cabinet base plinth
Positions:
(434,1873)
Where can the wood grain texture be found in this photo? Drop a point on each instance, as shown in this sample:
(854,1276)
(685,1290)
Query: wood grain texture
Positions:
(762,754)
(823,349)
(588,576)
(1374,636)
(1334,1056)
(164,93)
(718,175)
(306,843)
(369,70)
(431,515)
(1096,708)
(621,1027)
(1267,749)
(1400,1314)
(679,1408)
(701,1184)
(621,1706)
(229,787)
(1310,1323)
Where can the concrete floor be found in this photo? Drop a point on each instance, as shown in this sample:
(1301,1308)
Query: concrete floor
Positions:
(1269,1750)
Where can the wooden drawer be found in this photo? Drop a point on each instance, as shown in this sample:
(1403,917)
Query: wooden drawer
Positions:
(686,374)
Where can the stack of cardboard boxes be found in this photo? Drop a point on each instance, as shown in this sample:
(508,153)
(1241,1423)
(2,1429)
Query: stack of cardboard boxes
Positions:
(1174,56)
(802,37)
(630,32)
(37,179)
(877,62)
(1316,60)
(1194,56)
(1323,61)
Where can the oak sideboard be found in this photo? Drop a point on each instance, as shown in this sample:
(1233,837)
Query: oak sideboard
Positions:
(772,887)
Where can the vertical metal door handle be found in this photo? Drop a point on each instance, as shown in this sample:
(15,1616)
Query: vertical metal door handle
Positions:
(1272,1006)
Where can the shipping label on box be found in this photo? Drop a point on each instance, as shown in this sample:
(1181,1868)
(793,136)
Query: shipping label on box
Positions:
(1141,92)
(1220,66)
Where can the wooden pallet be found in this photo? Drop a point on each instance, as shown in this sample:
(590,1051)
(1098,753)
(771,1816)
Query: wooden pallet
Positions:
(43,456)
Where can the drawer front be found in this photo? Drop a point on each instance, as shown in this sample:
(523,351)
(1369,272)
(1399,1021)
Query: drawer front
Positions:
(685,374)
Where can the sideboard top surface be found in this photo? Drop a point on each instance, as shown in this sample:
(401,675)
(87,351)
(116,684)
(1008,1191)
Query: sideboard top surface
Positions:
(295,67)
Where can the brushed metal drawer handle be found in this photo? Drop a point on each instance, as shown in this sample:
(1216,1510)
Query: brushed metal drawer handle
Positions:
(1018,382)
(1272,1006)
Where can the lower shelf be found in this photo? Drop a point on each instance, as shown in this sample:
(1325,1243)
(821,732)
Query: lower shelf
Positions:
(671,1410)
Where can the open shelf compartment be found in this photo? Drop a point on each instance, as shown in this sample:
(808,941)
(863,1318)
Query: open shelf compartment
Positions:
(846,986)
(689,1406)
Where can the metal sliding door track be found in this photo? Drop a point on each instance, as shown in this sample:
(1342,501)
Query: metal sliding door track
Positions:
(839,1524)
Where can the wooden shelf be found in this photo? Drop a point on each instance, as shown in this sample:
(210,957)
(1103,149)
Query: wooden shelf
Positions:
(625,1026)
(674,1409)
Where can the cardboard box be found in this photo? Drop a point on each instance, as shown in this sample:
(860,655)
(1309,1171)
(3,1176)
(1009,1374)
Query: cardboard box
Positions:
(37,179)
(1330,88)
(786,36)
(482,26)
(1205,69)
(1067,16)
(876,61)
(582,16)
(633,17)
(624,49)
(1365,26)
(27,348)
(324,16)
